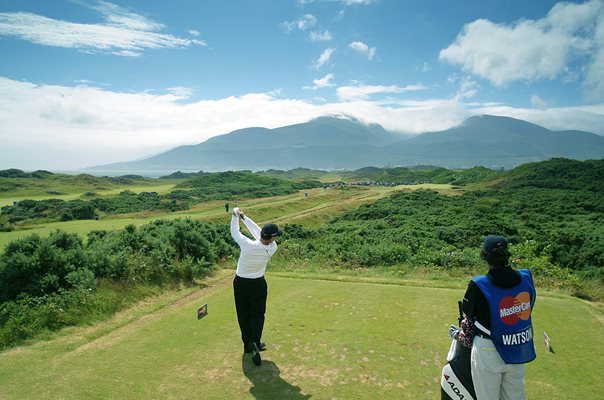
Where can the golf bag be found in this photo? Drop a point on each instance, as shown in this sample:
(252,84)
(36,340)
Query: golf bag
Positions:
(456,378)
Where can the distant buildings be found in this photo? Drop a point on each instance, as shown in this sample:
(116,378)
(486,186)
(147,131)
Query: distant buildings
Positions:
(373,183)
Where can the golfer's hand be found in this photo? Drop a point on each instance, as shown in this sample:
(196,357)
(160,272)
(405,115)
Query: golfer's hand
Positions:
(238,213)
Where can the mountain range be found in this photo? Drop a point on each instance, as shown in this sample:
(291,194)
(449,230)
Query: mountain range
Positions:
(346,143)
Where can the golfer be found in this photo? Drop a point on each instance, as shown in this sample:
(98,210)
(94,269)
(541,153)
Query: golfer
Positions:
(500,303)
(249,284)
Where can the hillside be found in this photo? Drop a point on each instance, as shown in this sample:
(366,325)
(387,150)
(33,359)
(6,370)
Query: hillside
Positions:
(331,143)
(496,142)
(296,174)
(319,132)
(428,174)
(17,183)
(242,184)
(204,186)
(322,143)
(554,174)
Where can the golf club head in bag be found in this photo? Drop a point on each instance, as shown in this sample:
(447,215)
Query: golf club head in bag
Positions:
(456,378)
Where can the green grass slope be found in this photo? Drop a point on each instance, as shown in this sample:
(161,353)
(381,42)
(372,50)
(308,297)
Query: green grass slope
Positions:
(557,173)
(16,185)
(326,340)
(421,174)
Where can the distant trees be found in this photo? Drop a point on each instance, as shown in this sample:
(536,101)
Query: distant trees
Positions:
(17,173)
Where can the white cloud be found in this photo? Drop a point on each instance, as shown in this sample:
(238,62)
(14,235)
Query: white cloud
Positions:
(58,127)
(589,118)
(127,53)
(363,92)
(324,57)
(452,79)
(180,92)
(352,2)
(571,17)
(119,16)
(424,68)
(594,81)
(538,102)
(468,88)
(194,32)
(307,21)
(530,50)
(503,54)
(318,36)
(124,33)
(321,83)
(363,49)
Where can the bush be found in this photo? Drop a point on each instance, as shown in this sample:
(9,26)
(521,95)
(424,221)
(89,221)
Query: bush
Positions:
(37,267)
(296,231)
(48,283)
(82,279)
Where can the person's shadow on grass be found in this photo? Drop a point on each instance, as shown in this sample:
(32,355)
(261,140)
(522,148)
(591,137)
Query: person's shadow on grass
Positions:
(268,384)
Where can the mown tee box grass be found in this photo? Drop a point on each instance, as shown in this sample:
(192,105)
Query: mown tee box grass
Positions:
(326,340)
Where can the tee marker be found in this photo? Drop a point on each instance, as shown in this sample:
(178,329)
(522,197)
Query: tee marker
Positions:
(202,311)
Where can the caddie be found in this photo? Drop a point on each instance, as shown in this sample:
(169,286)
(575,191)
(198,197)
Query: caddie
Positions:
(500,304)
(249,285)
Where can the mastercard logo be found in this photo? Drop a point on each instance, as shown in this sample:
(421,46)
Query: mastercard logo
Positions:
(514,309)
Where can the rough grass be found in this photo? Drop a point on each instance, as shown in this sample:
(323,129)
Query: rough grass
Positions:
(327,339)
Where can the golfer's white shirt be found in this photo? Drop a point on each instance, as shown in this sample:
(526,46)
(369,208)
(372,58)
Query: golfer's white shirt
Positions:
(254,255)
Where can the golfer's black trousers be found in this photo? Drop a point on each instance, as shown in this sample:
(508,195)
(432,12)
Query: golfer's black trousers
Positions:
(250,302)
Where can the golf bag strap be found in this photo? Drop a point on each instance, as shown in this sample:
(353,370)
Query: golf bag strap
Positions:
(482,328)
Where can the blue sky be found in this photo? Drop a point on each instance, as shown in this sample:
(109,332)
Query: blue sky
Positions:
(87,82)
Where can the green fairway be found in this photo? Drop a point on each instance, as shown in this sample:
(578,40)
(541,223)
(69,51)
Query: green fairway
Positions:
(72,193)
(326,340)
(319,206)
(74,187)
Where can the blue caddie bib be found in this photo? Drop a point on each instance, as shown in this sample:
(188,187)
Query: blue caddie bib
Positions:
(511,325)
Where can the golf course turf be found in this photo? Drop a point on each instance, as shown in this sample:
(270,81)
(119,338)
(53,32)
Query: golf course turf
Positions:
(336,339)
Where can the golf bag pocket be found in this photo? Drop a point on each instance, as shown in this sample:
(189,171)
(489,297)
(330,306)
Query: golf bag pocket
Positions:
(452,387)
